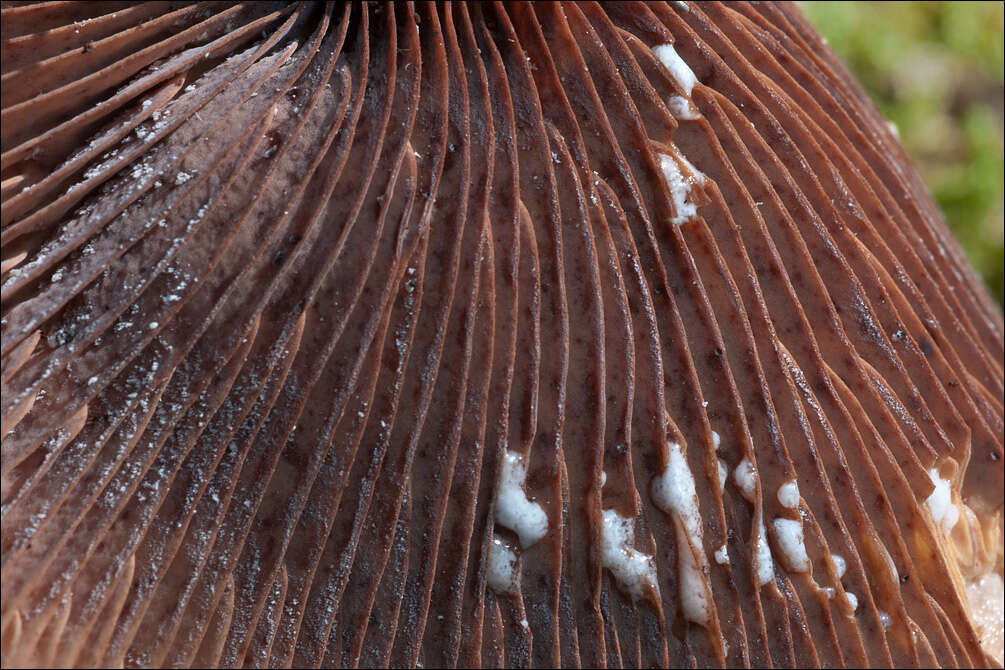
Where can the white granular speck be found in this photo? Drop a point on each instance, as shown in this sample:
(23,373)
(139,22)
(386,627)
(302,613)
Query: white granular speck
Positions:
(940,503)
(789,533)
(746,479)
(674,491)
(680,186)
(679,70)
(788,494)
(501,568)
(634,570)
(514,509)
(840,565)
(852,601)
(682,109)
(765,566)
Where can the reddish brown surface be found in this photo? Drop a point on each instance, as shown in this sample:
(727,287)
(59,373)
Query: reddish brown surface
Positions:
(282,284)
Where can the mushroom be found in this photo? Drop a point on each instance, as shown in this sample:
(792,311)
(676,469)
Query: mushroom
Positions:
(359,334)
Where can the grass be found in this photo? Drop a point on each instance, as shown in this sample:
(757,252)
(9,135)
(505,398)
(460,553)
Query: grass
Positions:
(936,70)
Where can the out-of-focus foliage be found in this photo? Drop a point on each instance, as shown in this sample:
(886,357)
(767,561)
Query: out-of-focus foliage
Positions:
(936,70)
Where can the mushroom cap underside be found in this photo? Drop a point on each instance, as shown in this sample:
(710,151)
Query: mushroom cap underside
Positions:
(555,334)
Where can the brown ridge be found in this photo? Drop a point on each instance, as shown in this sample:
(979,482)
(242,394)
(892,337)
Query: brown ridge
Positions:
(480,334)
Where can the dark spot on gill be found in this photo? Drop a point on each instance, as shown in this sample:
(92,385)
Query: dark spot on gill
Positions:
(62,337)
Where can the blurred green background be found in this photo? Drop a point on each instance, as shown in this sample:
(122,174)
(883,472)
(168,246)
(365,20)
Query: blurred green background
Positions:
(935,69)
